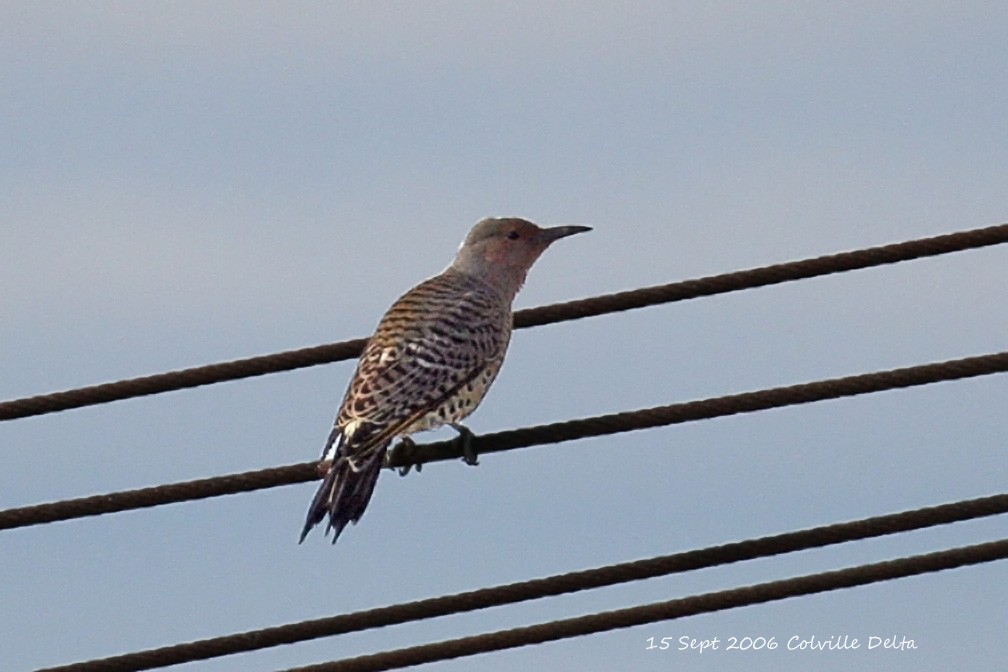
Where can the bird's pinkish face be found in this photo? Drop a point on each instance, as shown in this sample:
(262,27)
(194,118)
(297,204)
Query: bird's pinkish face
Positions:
(506,248)
(515,244)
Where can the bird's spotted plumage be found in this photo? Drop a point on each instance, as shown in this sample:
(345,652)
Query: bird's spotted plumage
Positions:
(430,362)
(434,354)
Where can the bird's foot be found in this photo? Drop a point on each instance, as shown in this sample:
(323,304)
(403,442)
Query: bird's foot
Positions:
(403,452)
(465,439)
(323,467)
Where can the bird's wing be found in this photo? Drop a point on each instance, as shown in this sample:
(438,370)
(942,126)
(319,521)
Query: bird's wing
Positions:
(429,345)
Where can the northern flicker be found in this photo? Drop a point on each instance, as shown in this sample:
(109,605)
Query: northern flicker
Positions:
(429,363)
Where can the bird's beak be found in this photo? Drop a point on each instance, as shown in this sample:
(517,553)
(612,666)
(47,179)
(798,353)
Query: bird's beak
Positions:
(557,232)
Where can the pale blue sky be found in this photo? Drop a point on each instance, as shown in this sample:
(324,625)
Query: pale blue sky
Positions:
(195,182)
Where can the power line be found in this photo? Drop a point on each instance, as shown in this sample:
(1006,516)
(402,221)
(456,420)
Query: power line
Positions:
(621,301)
(180,379)
(552,433)
(569,430)
(662,611)
(546,587)
(142,498)
(716,407)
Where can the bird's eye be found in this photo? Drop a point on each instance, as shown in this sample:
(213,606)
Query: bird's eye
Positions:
(514,235)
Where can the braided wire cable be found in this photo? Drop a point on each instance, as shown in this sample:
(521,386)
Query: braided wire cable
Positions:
(572,310)
(746,402)
(550,586)
(705,603)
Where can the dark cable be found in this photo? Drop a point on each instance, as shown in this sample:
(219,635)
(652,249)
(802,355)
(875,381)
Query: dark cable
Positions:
(546,587)
(662,611)
(141,498)
(746,402)
(179,379)
(628,300)
(704,409)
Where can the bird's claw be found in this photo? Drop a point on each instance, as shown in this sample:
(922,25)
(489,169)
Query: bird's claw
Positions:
(469,455)
(403,452)
(323,467)
(465,439)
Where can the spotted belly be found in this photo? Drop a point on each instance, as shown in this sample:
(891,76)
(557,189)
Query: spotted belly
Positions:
(458,406)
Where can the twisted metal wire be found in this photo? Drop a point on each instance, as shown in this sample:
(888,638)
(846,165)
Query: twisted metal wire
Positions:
(545,587)
(572,310)
(705,603)
(747,402)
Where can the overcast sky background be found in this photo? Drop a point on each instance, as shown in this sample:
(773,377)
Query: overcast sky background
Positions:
(193,182)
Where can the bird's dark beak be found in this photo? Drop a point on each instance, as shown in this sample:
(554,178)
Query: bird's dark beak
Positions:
(557,232)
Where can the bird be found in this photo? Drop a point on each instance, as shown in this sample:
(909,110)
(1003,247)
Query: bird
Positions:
(429,363)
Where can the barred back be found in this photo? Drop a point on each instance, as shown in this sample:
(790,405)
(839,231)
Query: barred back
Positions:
(430,361)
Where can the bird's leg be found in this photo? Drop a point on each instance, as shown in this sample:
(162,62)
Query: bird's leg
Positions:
(465,438)
(404,449)
(323,467)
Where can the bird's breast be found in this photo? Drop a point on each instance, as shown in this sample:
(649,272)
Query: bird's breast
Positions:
(459,404)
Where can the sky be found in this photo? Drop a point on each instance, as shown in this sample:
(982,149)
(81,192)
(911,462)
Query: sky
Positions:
(185,183)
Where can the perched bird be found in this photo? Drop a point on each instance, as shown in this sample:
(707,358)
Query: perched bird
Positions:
(429,363)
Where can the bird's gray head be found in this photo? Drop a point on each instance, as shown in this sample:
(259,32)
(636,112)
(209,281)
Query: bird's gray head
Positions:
(502,250)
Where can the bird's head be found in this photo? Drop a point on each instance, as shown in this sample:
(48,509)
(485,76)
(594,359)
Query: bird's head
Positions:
(502,250)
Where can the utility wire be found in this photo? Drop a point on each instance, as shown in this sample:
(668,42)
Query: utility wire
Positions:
(546,587)
(628,300)
(142,498)
(716,407)
(746,402)
(662,611)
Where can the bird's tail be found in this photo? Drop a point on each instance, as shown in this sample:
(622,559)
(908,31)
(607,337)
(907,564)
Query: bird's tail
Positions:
(344,493)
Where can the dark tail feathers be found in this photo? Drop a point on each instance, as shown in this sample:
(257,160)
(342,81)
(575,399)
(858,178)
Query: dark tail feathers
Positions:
(344,494)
